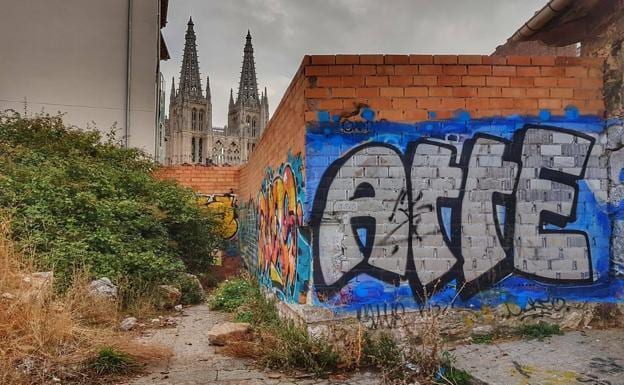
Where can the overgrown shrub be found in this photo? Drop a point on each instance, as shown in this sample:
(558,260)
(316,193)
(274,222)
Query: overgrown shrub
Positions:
(192,293)
(231,294)
(79,201)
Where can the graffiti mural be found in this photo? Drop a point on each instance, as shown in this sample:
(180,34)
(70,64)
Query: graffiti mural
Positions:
(478,210)
(283,249)
(225,206)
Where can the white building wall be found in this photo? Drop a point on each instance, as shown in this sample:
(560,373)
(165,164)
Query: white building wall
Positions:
(70,56)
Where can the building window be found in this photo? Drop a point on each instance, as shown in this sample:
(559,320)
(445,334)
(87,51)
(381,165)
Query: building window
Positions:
(194,119)
(201,120)
(193,149)
(200,151)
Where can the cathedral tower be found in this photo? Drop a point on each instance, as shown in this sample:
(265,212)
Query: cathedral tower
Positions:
(248,115)
(190,110)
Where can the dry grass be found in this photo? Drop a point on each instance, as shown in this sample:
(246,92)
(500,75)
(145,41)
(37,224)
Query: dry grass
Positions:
(44,336)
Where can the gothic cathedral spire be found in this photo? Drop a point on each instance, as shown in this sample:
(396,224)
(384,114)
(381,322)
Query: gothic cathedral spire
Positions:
(190,83)
(248,86)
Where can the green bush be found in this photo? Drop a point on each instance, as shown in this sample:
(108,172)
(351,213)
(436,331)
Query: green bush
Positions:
(231,294)
(111,361)
(192,293)
(82,202)
(539,330)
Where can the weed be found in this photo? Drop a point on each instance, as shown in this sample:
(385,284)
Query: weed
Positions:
(448,375)
(231,294)
(539,331)
(190,287)
(482,338)
(111,361)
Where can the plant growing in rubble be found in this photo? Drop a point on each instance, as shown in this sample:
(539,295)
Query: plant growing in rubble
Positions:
(82,202)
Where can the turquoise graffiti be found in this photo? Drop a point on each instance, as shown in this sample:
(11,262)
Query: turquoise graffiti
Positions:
(283,258)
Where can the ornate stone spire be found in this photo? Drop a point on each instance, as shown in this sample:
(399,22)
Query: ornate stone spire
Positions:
(172,95)
(231,99)
(248,86)
(190,84)
(208,87)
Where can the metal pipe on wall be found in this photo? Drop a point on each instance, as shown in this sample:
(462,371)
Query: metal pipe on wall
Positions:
(128,72)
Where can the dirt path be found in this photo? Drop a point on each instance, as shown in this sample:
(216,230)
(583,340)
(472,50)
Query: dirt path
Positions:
(195,362)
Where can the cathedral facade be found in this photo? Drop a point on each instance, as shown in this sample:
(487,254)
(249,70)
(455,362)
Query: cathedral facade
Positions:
(190,136)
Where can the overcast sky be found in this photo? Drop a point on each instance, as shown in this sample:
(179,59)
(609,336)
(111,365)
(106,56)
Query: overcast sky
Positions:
(284,31)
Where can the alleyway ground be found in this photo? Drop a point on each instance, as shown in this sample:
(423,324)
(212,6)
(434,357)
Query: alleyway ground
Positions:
(594,357)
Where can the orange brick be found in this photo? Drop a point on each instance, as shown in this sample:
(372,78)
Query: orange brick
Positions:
(537,92)
(415,115)
(420,59)
(353,81)
(503,70)
(428,103)
(501,103)
(405,70)
(396,59)
(322,59)
(371,92)
(521,82)
(452,103)
(385,70)
(561,93)
(376,81)
(404,80)
(497,81)
(576,72)
(594,72)
(595,83)
(477,103)
(479,70)
(469,59)
(390,91)
(425,80)
(416,91)
(543,60)
(445,59)
(525,103)
(465,92)
(340,70)
(380,103)
(441,91)
(513,92)
(316,93)
(489,92)
(328,104)
(371,59)
(329,81)
(596,104)
(519,60)
(343,92)
(473,80)
(552,71)
(545,82)
(364,69)
(404,103)
(347,59)
(496,60)
(448,80)
(580,93)
(528,71)
(425,69)
(454,70)
(390,114)
(549,103)
(316,70)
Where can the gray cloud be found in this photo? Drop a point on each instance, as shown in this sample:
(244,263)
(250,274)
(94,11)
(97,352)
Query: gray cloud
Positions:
(285,30)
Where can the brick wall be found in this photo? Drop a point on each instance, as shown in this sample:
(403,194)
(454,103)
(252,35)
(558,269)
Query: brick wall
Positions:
(203,179)
(409,87)
(285,132)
